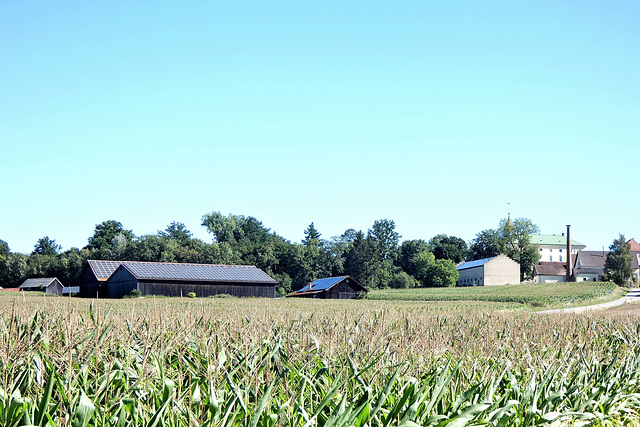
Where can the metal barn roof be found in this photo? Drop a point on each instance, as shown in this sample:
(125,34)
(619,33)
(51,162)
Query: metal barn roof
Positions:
(472,264)
(322,284)
(197,272)
(36,283)
(182,271)
(103,269)
(70,290)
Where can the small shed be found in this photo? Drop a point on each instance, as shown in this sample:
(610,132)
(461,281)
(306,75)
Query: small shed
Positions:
(343,287)
(494,271)
(71,290)
(48,285)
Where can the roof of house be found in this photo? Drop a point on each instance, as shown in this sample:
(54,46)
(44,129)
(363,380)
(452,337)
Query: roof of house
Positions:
(103,269)
(182,271)
(596,259)
(554,240)
(472,264)
(324,284)
(550,269)
(633,245)
(37,283)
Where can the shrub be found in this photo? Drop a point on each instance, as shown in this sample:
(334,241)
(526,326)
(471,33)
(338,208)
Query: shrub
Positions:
(402,280)
(135,293)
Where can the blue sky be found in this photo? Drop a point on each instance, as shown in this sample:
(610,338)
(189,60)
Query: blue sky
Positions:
(433,114)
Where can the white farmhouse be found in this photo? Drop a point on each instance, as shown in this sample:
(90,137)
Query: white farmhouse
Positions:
(553,248)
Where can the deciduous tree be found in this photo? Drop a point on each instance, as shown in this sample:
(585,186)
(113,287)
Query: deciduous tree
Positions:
(448,247)
(386,239)
(617,266)
(46,246)
(104,234)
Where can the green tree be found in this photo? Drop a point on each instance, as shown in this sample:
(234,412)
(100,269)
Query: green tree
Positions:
(409,251)
(402,280)
(15,270)
(4,248)
(424,260)
(488,243)
(46,246)
(104,235)
(516,238)
(311,234)
(177,231)
(361,260)
(617,266)
(434,272)
(448,247)
(386,239)
(442,273)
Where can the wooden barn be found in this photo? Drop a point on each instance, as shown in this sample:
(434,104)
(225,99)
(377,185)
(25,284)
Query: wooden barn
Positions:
(175,279)
(343,287)
(94,274)
(48,285)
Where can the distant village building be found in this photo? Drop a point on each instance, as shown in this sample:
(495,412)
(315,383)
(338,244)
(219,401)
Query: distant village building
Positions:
(343,287)
(48,285)
(589,266)
(115,279)
(553,248)
(494,271)
(551,272)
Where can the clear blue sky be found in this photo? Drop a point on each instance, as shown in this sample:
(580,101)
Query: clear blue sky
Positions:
(433,114)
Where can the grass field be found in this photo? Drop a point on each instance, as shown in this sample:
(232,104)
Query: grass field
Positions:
(216,362)
(535,295)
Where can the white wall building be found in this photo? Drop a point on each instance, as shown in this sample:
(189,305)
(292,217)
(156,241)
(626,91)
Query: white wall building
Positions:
(495,271)
(553,248)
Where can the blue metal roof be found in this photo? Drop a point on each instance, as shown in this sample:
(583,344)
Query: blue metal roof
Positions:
(322,284)
(472,264)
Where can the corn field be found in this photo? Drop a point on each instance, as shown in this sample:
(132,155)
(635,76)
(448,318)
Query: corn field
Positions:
(213,362)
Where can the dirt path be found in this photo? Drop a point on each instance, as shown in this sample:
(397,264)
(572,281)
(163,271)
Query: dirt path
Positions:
(632,296)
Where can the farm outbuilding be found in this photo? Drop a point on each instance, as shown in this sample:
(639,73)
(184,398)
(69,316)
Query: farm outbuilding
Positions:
(343,287)
(94,274)
(48,285)
(494,271)
(175,279)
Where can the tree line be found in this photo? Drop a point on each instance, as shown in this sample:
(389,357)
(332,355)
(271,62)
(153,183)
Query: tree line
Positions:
(377,258)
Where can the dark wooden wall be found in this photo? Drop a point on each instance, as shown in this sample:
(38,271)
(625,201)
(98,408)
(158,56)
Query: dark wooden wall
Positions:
(207,289)
(342,291)
(88,283)
(55,288)
(122,282)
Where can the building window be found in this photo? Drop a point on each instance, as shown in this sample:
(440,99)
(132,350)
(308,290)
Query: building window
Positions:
(551,250)
(560,258)
(560,250)
(550,257)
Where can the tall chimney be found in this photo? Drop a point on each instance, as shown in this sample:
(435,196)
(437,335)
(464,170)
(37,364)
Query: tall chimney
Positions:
(569,258)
